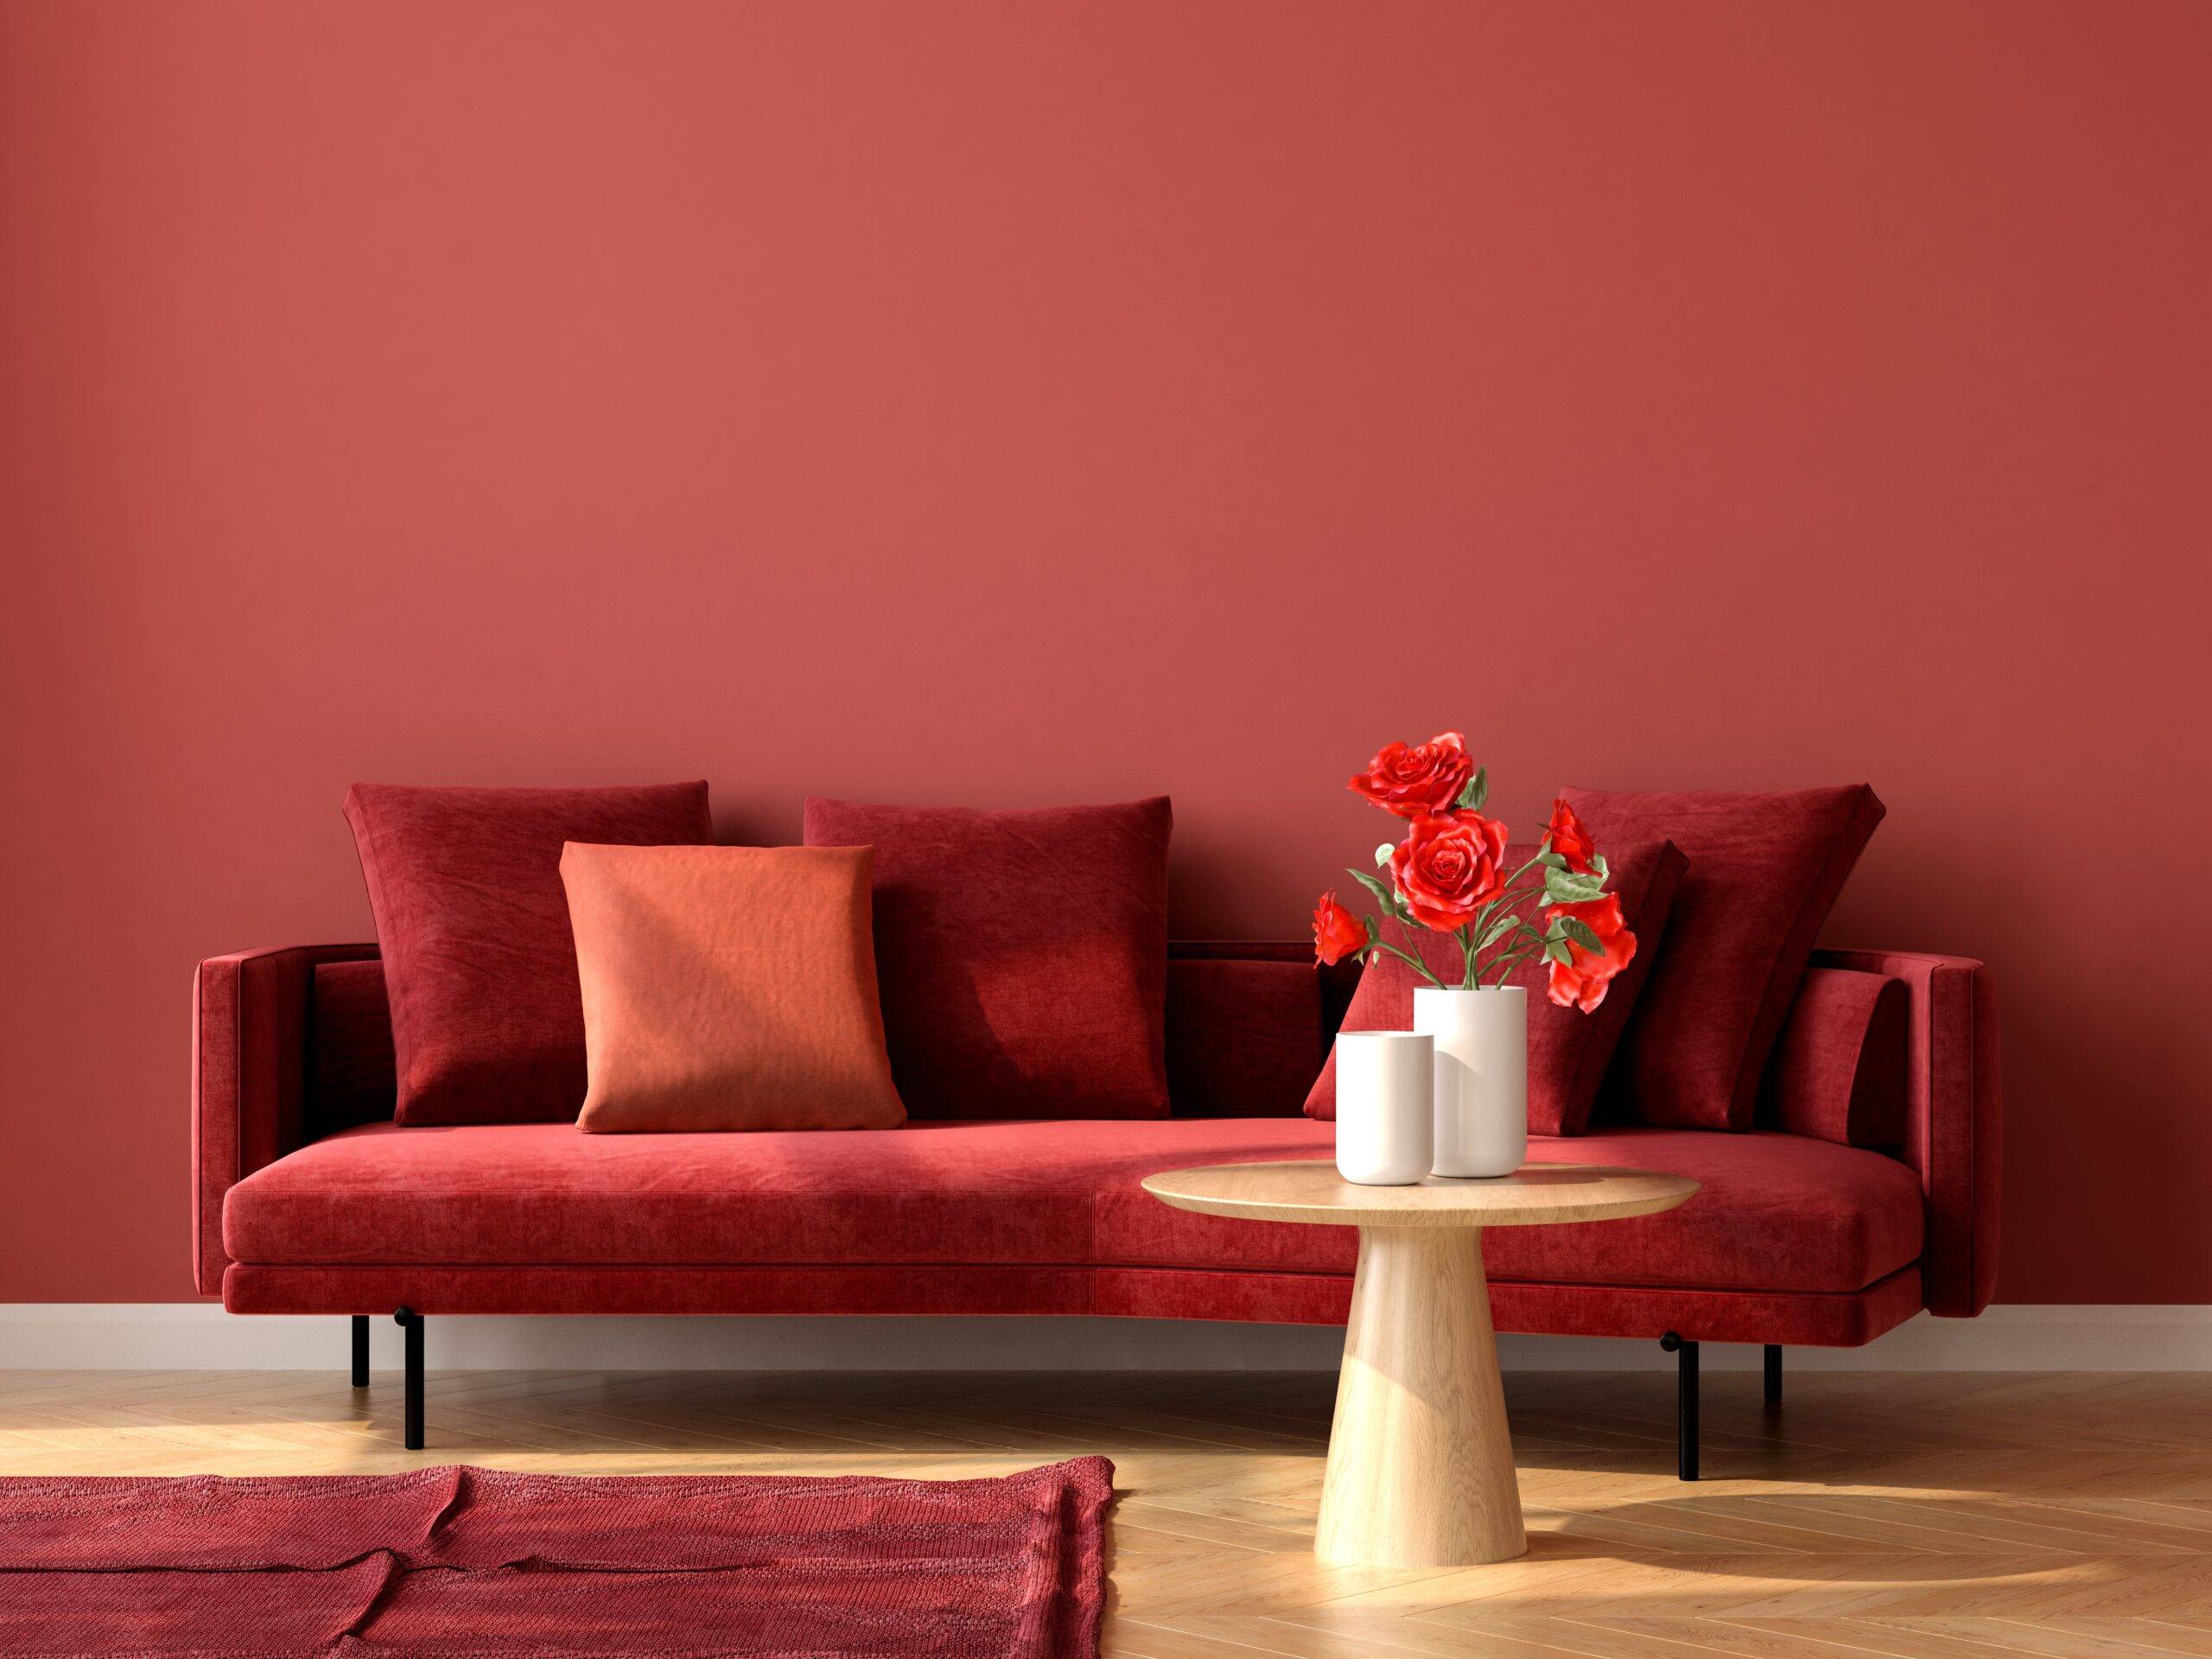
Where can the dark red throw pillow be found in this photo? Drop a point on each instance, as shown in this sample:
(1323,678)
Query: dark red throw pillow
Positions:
(1021,956)
(1764,871)
(1568,1050)
(488,1023)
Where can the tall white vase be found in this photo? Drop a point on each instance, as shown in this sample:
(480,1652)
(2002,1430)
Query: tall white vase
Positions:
(1481,1077)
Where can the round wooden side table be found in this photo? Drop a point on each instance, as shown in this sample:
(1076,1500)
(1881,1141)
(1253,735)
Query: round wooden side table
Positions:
(1420,1460)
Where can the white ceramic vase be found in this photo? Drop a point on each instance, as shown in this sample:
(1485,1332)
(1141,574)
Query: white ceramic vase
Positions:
(1386,1106)
(1481,1077)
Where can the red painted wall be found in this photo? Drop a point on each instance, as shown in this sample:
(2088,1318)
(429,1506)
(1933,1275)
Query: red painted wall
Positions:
(1012,404)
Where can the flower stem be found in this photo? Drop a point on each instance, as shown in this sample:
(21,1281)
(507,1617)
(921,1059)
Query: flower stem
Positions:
(1412,962)
(1508,901)
(1506,964)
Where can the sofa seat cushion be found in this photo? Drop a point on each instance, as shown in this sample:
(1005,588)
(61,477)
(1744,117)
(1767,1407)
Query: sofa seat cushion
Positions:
(1777,1213)
(1773,1212)
(934,1191)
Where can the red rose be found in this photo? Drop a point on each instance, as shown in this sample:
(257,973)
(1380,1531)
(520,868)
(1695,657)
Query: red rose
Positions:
(1410,781)
(1581,984)
(1570,838)
(1450,864)
(1337,932)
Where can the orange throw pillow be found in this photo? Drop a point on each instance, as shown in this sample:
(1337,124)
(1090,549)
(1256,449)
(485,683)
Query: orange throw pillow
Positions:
(728,987)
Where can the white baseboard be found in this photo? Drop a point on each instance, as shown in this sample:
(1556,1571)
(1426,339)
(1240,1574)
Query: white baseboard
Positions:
(199,1336)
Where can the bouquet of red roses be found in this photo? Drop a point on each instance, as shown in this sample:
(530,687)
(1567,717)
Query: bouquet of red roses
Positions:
(1449,874)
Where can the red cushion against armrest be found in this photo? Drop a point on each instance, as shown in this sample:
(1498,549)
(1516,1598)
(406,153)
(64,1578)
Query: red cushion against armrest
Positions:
(1838,1066)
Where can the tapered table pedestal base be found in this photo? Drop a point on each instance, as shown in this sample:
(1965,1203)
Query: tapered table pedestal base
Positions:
(1420,1463)
(1421,1458)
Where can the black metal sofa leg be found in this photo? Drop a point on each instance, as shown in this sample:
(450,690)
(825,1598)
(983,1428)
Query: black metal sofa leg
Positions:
(1685,1403)
(1774,1373)
(412,1322)
(360,1350)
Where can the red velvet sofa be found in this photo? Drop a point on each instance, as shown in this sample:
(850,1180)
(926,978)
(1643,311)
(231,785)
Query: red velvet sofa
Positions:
(1868,1193)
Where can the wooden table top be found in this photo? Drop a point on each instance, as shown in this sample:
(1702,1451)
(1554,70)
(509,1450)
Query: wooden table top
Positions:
(1312,1191)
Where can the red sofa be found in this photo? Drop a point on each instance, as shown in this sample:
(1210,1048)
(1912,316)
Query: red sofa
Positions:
(1868,1193)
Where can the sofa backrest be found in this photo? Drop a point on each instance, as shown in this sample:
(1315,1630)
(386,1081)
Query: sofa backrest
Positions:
(1248,1028)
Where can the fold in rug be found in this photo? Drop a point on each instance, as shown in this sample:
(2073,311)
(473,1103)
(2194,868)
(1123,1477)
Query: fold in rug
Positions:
(461,1560)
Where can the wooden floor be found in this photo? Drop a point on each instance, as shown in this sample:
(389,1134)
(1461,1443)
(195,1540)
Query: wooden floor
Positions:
(1954,1515)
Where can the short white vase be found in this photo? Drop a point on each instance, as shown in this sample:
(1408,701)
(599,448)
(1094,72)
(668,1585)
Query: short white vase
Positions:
(1481,1077)
(1386,1110)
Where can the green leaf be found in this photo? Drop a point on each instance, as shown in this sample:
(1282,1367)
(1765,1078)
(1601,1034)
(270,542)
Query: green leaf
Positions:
(1568,887)
(1382,894)
(1382,855)
(1477,792)
(1498,930)
(1551,860)
(1599,868)
(1559,953)
(1580,932)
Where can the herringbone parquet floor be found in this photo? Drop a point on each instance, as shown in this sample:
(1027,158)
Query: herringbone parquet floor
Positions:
(1949,1515)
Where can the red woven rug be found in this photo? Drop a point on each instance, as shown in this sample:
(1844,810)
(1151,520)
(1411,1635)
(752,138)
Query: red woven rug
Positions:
(460,1561)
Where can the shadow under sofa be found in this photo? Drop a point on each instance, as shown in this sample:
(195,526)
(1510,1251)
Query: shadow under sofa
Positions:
(1868,1192)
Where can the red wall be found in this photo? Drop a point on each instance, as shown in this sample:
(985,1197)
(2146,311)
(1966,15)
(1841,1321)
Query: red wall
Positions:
(1012,404)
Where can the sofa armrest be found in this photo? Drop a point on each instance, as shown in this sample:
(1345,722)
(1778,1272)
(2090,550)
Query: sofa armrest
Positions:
(249,1014)
(1953,1120)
